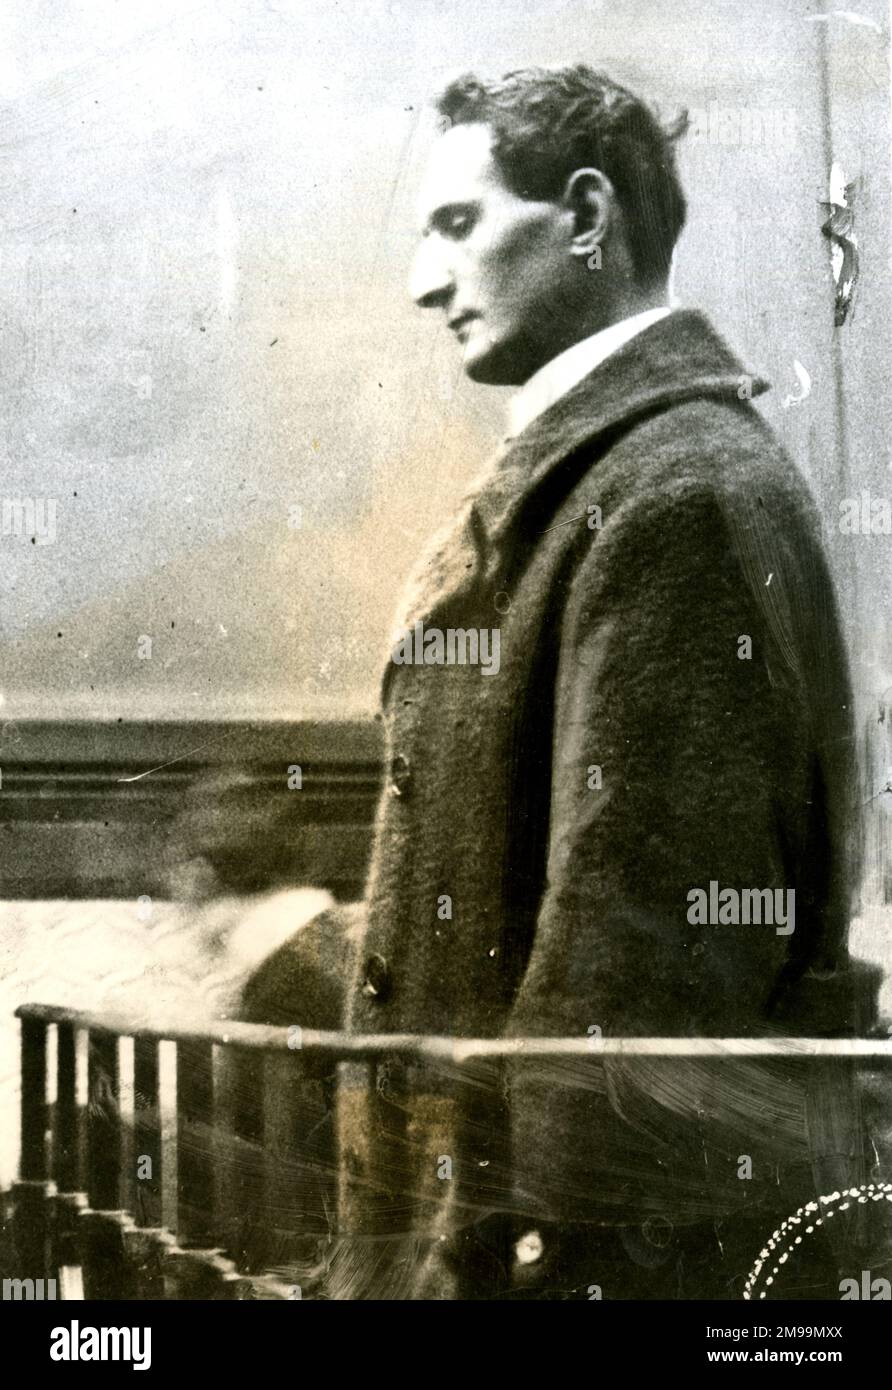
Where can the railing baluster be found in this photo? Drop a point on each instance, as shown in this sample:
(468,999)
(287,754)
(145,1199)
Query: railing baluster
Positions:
(195,1165)
(65,1139)
(356,1086)
(145,1240)
(126,1112)
(34,1165)
(69,1201)
(32,1191)
(300,1192)
(238,1105)
(196,1266)
(147,1132)
(103,1123)
(106,1273)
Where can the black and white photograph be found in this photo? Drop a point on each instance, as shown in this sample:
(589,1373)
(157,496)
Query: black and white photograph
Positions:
(446,662)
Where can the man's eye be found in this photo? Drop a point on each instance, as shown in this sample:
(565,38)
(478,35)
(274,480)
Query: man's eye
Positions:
(459,224)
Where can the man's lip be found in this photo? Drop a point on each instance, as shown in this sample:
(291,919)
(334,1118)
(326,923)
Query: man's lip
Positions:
(461,319)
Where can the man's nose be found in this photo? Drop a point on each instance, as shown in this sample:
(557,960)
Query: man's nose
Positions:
(430,280)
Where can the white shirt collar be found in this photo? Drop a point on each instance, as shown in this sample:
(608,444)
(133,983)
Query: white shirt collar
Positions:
(563,372)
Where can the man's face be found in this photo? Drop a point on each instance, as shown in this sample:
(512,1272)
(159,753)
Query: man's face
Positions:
(497,265)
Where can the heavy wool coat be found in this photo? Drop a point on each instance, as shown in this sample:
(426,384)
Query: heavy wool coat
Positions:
(671,710)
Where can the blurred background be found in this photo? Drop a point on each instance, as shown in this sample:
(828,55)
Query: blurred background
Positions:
(234,431)
(211,364)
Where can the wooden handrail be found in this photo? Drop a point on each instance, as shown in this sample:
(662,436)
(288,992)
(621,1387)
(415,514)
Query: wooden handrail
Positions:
(421,1047)
(235,1197)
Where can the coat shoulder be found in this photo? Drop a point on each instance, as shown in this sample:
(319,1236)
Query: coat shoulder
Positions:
(718,457)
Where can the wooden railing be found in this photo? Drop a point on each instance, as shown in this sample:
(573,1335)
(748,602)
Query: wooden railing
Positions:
(124,1193)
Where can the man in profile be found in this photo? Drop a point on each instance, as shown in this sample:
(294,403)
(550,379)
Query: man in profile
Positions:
(670,724)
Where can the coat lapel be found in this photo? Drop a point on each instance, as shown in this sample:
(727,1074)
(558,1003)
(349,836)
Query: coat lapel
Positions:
(679,358)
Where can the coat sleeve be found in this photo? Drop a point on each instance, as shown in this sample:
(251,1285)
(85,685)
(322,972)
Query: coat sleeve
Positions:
(305,980)
(684,755)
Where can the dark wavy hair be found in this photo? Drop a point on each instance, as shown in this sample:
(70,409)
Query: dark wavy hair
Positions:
(548,122)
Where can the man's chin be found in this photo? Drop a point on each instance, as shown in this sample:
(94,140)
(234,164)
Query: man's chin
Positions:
(492,367)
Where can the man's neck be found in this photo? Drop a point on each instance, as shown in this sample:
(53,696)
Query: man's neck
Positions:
(625,304)
(561,373)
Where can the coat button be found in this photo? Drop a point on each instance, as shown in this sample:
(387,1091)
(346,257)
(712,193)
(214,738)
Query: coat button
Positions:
(400,775)
(376,980)
(529,1248)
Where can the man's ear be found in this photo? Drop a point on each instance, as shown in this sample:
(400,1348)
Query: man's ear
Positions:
(589,196)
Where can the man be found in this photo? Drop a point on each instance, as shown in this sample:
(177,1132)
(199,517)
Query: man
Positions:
(637,821)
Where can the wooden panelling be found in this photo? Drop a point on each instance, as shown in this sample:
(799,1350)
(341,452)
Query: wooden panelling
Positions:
(99,809)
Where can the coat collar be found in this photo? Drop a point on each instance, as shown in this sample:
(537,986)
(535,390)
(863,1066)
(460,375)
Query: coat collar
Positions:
(679,358)
(565,371)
